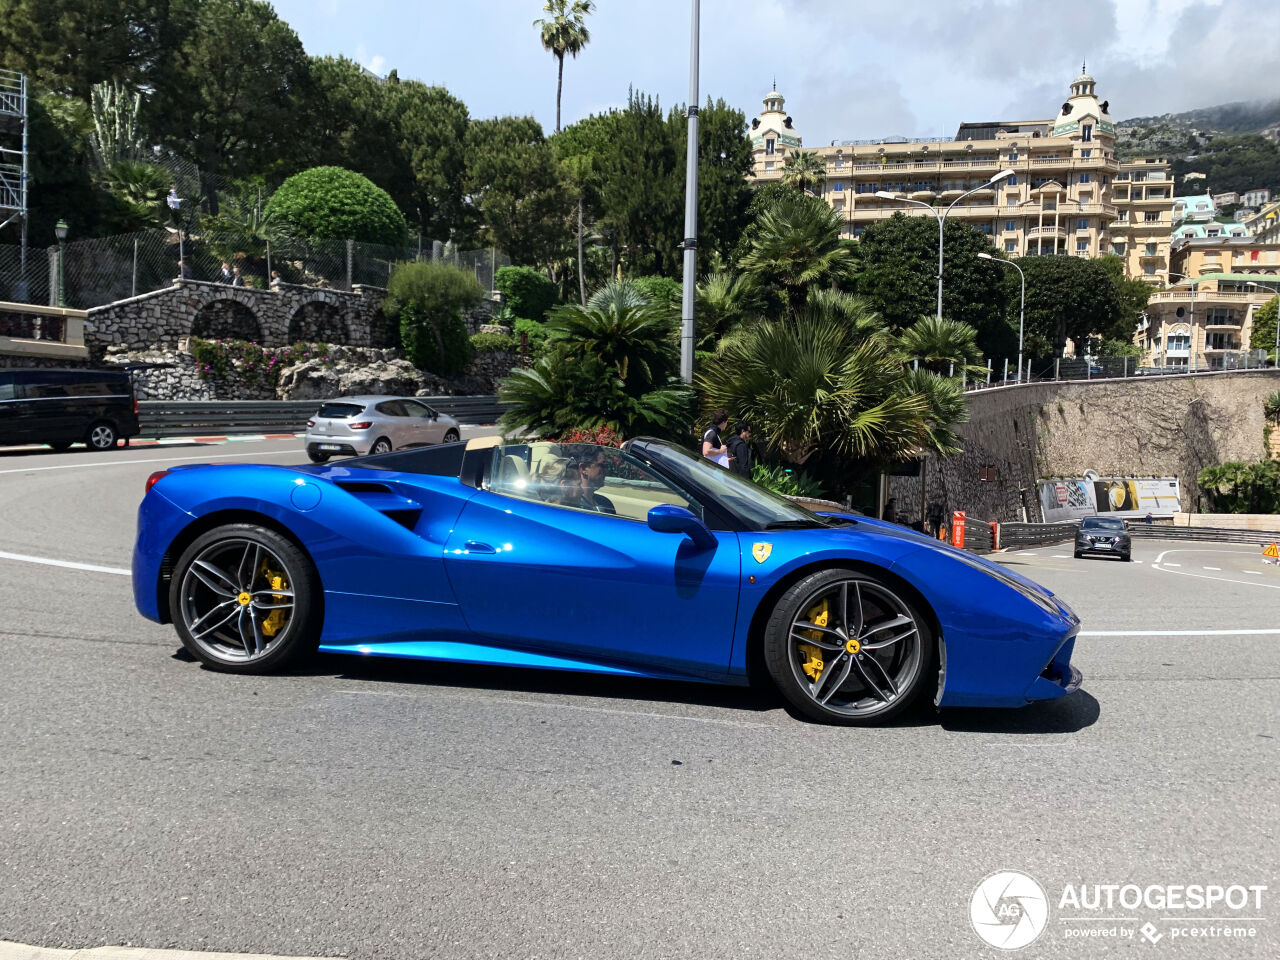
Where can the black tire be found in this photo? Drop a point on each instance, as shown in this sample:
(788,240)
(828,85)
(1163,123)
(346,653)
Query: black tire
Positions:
(204,594)
(381,445)
(1079,554)
(61,445)
(874,685)
(317,456)
(1128,558)
(101,436)
(451,436)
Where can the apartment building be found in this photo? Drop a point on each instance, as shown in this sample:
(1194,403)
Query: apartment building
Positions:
(1264,226)
(1203,322)
(1067,192)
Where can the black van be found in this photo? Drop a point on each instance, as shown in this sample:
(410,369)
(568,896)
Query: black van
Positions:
(62,407)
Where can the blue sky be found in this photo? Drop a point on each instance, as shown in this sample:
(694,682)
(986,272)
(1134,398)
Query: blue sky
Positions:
(850,69)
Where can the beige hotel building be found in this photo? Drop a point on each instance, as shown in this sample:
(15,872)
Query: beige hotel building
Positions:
(1068,193)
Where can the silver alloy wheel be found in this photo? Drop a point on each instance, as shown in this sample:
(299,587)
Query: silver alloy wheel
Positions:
(228,601)
(382,446)
(102,437)
(869,643)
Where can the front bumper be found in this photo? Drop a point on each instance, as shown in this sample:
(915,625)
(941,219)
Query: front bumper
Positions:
(1098,550)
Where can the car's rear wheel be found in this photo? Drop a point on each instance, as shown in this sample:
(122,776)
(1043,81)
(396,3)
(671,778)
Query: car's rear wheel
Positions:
(848,647)
(381,445)
(101,436)
(317,456)
(451,436)
(244,599)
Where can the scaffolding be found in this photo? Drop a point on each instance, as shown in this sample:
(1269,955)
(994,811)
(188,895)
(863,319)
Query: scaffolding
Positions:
(13,162)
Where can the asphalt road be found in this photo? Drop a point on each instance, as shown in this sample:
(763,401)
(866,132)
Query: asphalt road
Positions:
(403,810)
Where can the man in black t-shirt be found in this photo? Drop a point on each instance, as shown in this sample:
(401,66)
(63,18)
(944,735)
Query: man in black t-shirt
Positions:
(713,447)
(740,459)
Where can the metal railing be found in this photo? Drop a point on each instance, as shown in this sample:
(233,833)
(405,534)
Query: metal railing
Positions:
(1162,531)
(196,418)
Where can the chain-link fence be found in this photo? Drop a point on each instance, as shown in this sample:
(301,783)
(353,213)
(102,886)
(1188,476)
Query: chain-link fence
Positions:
(105,269)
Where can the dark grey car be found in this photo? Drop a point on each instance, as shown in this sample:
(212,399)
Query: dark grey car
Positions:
(1103,537)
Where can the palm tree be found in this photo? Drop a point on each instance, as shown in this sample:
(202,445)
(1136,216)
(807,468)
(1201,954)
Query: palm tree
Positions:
(943,346)
(565,31)
(724,300)
(796,245)
(946,408)
(620,326)
(805,171)
(810,384)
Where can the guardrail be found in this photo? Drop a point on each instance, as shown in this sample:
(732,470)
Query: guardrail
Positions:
(1163,531)
(193,418)
(1034,534)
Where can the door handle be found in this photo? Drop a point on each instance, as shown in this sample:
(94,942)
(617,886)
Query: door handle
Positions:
(475,546)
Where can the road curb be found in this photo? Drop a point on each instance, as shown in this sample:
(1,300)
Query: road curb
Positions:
(22,951)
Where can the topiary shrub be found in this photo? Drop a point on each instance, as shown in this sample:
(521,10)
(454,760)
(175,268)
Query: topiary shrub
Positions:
(527,291)
(493,343)
(326,203)
(427,300)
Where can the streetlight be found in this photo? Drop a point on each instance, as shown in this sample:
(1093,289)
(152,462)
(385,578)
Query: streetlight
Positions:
(941,217)
(60,231)
(690,245)
(1276,290)
(1191,321)
(1022,308)
(175,204)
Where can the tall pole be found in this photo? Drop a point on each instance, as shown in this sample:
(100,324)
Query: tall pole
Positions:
(690,211)
(1191,352)
(1022,307)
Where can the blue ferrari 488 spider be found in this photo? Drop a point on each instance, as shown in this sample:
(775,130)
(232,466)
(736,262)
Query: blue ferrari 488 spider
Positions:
(644,560)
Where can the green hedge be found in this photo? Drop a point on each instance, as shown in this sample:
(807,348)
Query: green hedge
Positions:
(537,334)
(527,291)
(494,343)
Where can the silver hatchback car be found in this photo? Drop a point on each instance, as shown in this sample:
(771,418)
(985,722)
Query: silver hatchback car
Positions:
(355,426)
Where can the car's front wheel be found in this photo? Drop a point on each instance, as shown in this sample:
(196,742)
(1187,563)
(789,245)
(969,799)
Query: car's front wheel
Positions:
(244,599)
(451,436)
(847,647)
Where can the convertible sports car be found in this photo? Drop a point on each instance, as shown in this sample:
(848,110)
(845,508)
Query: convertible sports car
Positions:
(641,561)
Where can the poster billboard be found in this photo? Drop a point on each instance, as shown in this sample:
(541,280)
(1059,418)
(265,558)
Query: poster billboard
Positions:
(1115,496)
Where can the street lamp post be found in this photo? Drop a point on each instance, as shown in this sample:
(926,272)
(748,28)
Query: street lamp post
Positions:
(941,217)
(1022,306)
(690,210)
(60,231)
(1276,290)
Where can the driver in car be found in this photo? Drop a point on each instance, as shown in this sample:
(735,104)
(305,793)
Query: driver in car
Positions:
(584,477)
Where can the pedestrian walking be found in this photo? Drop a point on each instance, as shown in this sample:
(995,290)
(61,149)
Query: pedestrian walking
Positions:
(237,278)
(713,447)
(740,457)
(184,270)
(225,275)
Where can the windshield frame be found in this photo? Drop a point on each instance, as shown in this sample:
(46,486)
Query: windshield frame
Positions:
(746,506)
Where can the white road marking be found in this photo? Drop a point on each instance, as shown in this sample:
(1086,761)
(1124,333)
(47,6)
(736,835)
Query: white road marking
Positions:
(1202,576)
(64,563)
(1171,564)
(1254,573)
(1060,556)
(1028,554)
(126,463)
(1177,633)
(1217,569)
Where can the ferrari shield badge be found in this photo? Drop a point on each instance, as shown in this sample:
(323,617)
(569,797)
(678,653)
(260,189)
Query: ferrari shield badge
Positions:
(761,551)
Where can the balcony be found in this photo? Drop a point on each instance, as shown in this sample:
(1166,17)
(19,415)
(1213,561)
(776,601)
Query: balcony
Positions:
(28,330)
(1222,323)
(1151,255)
(1039,232)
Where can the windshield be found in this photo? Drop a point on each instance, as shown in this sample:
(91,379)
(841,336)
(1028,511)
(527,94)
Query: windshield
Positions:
(1099,523)
(758,508)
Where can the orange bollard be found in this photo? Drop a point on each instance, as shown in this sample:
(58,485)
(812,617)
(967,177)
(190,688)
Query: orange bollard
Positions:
(957,529)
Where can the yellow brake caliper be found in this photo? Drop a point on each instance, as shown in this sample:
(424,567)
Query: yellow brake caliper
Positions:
(275,620)
(818,615)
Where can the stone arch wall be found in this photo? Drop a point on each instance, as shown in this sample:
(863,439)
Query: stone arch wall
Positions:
(317,321)
(229,319)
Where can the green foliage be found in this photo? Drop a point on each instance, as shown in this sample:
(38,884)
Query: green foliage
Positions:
(1233,165)
(945,347)
(226,83)
(1237,487)
(493,343)
(1072,298)
(1271,408)
(796,245)
(1134,295)
(139,189)
(526,291)
(440,287)
(432,342)
(622,328)
(514,179)
(565,31)
(662,292)
(1263,334)
(250,361)
(116,132)
(536,333)
(788,481)
(723,301)
(804,170)
(332,203)
(899,276)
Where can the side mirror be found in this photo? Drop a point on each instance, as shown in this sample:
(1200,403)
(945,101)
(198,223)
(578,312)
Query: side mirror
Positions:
(668,518)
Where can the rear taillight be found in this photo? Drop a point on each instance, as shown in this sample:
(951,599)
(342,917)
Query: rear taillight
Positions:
(154,478)
(311,423)
(362,425)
